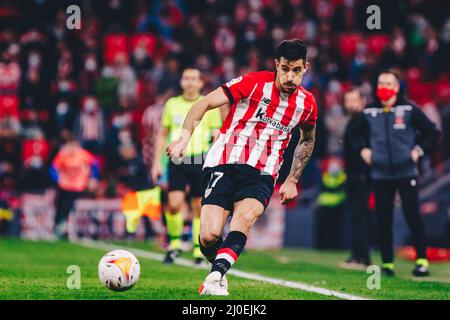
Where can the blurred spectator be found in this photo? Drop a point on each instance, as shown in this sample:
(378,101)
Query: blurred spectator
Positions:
(122,131)
(331,200)
(150,123)
(335,121)
(398,54)
(141,60)
(63,117)
(115,14)
(9,126)
(75,172)
(130,169)
(6,216)
(147,96)
(165,16)
(126,76)
(106,90)
(35,156)
(224,40)
(90,126)
(10,163)
(34,121)
(34,87)
(10,72)
(432,113)
(358,184)
(171,77)
(198,31)
(64,86)
(89,74)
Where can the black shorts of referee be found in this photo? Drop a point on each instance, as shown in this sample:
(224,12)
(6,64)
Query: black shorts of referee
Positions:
(187,172)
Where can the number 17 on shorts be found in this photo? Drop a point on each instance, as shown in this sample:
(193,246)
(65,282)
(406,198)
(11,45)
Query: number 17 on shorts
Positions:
(215,177)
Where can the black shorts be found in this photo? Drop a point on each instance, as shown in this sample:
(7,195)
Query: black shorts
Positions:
(187,173)
(226,184)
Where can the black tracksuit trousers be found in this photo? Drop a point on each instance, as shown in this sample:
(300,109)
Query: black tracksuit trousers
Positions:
(358,191)
(385,191)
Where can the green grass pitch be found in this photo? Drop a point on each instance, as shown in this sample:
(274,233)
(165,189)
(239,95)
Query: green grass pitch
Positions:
(38,270)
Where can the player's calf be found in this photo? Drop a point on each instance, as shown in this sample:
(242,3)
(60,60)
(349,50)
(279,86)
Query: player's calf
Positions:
(213,219)
(209,245)
(246,213)
(229,252)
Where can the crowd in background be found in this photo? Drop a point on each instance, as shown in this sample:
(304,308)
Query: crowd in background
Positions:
(104,86)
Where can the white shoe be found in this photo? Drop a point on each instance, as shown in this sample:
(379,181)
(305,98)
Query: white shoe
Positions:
(224,282)
(214,285)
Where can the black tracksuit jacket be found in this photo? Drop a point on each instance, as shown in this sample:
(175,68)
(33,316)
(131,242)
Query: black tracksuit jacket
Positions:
(392,135)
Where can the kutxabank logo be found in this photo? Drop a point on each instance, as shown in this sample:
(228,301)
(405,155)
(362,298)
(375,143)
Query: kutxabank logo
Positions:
(261,115)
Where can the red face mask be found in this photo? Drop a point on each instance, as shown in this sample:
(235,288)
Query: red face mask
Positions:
(385,94)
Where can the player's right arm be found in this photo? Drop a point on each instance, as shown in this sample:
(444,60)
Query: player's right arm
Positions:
(214,99)
(302,154)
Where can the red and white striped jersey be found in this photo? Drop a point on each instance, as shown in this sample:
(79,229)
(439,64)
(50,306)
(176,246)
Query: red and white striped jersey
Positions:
(258,127)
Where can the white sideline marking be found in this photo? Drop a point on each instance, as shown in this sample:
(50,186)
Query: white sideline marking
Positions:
(237,273)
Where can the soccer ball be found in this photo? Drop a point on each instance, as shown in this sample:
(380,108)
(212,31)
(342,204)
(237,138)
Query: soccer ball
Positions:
(119,270)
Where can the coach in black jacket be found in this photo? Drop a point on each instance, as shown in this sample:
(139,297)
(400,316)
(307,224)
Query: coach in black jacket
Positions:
(394,134)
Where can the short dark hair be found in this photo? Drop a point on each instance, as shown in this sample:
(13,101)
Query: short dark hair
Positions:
(291,50)
(353,89)
(392,71)
(192,67)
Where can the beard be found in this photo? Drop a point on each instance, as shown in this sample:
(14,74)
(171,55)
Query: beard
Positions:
(288,88)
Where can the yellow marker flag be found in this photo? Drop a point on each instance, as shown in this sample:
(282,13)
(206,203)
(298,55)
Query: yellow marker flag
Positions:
(136,204)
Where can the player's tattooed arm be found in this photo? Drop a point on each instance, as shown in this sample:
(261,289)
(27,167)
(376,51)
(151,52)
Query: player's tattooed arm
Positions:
(302,153)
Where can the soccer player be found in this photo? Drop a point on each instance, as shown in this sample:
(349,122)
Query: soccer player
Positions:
(242,166)
(189,171)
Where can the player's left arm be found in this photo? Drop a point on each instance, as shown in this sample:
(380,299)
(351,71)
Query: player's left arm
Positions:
(302,154)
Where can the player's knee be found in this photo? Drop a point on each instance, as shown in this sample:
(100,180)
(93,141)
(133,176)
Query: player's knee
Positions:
(174,207)
(209,237)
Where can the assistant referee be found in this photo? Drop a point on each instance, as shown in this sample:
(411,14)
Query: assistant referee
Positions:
(189,172)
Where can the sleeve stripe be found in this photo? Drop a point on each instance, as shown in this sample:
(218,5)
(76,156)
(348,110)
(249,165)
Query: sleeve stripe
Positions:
(228,93)
(306,123)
